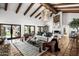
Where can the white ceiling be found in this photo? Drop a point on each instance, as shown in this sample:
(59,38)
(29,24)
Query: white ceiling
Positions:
(13,6)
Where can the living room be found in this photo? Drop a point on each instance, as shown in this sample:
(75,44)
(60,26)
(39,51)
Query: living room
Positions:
(27,26)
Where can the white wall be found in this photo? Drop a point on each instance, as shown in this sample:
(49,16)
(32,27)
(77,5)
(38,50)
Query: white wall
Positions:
(53,26)
(50,24)
(67,18)
(10,17)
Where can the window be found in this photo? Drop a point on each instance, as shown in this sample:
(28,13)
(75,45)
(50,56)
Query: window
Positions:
(26,29)
(5,31)
(10,31)
(29,29)
(16,31)
(40,29)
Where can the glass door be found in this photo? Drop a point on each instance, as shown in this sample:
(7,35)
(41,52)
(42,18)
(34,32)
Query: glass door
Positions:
(28,29)
(32,30)
(40,29)
(16,31)
(5,31)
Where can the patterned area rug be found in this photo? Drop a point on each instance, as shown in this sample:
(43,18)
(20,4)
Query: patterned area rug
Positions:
(27,49)
(5,50)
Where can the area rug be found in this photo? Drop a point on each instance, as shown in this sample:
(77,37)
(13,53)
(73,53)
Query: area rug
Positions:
(26,49)
(5,50)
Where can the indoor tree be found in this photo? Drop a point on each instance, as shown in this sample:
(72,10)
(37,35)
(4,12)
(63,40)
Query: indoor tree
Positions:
(74,23)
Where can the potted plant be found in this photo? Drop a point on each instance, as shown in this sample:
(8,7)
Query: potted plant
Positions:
(74,24)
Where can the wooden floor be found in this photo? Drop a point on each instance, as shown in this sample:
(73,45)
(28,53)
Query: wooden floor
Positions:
(72,49)
(68,48)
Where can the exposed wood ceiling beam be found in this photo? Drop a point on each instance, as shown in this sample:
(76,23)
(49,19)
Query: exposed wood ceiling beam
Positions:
(37,15)
(49,7)
(28,8)
(6,6)
(18,8)
(70,11)
(60,4)
(35,10)
(67,7)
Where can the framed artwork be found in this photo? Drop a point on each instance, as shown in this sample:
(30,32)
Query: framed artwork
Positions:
(56,19)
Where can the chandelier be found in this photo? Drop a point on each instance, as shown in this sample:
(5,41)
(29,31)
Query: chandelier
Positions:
(45,15)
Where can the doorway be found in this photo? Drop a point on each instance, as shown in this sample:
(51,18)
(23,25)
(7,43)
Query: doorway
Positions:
(10,31)
(16,31)
(5,31)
